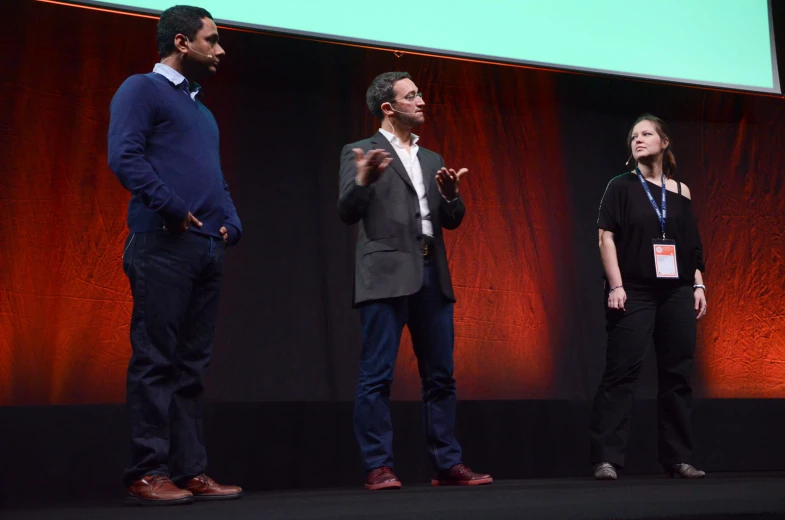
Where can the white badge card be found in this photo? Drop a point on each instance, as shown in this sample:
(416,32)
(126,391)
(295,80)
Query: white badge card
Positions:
(665,258)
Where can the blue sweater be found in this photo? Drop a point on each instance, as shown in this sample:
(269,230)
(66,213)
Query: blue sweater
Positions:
(163,147)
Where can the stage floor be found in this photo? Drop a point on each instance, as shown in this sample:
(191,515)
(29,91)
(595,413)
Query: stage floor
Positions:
(719,496)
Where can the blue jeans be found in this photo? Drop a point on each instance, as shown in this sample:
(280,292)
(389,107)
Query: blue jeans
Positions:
(175,282)
(429,316)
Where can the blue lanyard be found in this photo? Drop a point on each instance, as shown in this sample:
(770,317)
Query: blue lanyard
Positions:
(660,215)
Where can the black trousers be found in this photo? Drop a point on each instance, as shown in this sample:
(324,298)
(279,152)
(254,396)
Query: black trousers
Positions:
(666,317)
(175,282)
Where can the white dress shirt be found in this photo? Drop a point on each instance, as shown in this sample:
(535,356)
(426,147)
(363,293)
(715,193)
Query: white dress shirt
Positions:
(412,164)
(176,78)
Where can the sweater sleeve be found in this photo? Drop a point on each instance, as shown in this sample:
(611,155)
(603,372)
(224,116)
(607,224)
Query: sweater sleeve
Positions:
(231,220)
(131,119)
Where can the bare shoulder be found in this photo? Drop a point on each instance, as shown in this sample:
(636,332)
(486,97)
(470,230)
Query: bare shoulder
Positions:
(685,190)
(673,187)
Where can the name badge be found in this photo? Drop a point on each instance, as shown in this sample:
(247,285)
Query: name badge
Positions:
(665,258)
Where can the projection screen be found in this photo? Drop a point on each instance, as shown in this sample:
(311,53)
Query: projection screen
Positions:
(715,43)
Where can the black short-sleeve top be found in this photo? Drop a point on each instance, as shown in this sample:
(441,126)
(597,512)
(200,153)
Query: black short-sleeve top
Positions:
(626,211)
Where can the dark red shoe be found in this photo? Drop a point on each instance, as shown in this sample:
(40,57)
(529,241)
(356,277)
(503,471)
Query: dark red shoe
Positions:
(204,488)
(381,478)
(157,490)
(460,475)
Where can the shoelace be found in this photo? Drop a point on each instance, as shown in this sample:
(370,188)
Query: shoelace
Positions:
(203,478)
(159,480)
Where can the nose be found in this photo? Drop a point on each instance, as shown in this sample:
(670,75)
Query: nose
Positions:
(219,51)
(419,102)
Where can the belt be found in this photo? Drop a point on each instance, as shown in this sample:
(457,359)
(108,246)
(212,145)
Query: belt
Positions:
(428,245)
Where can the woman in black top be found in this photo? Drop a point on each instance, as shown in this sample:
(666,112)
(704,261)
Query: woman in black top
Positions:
(653,293)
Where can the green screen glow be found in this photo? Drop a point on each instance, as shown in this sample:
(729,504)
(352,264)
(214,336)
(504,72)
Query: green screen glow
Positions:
(724,43)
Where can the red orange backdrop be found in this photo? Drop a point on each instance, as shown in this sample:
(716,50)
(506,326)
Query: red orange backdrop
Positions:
(65,303)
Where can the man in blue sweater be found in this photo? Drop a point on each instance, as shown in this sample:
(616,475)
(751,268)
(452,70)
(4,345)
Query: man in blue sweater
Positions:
(163,147)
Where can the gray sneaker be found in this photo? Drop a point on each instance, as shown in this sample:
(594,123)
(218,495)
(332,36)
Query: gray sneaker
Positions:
(605,471)
(684,471)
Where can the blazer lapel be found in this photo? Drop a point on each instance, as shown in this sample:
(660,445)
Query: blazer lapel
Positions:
(428,171)
(381,142)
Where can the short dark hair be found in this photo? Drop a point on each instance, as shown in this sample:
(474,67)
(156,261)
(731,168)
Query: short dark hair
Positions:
(180,19)
(381,91)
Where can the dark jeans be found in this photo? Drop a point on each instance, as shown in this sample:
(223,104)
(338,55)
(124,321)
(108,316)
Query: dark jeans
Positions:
(175,282)
(429,316)
(665,316)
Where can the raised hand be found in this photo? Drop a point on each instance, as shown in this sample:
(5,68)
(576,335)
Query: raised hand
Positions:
(448,181)
(370,165)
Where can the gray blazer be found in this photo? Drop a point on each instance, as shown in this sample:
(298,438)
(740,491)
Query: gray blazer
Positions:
(389,258)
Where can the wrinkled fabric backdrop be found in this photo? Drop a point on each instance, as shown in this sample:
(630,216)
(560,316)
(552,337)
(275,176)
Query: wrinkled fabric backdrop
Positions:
(541,146)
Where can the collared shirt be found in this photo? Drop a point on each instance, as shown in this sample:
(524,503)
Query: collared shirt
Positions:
(177,79)
(412,164)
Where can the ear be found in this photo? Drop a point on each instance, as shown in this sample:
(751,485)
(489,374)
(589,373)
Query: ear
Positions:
(387,108)
(666,143)
(181,43)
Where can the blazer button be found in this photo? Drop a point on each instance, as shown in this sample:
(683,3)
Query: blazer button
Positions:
(417,214)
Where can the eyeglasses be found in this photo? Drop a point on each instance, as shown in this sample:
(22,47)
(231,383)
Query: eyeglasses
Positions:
(410,97)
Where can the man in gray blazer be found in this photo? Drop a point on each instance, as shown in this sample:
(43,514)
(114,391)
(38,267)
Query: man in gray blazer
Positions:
(402,196)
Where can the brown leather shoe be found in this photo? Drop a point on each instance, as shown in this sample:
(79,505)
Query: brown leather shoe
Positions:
(381,478)
(460,475)
(205,488)
(157,490)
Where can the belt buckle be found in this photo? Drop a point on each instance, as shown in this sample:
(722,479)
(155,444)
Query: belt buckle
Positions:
(425,251)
